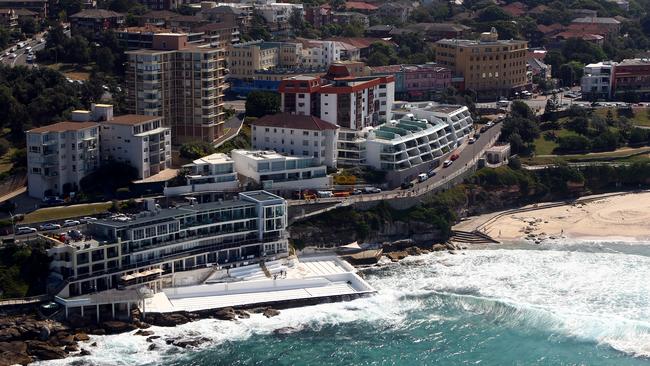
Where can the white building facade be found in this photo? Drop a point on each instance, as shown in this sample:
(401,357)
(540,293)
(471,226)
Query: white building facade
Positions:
(212,173)
(141,141)
(59,156)
(597,80)
(297,135)
(280,172)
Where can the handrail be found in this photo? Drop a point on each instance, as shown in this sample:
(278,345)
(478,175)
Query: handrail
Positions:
(25,300)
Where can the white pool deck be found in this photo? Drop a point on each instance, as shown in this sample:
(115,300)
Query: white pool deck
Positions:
(310,278)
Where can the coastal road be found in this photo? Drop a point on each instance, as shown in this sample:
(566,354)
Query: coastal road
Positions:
(21,54)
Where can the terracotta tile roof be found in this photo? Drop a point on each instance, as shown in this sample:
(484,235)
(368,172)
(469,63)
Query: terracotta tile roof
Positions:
(515,9)
(300,122)
(64,126)
(359,42)
(360,5)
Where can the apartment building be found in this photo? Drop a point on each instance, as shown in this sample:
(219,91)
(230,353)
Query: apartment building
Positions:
(180,82)
(489,66)
(596,25)
(8,18)
(141,141)
(597,80)
(351,102)
(416,82)
(277,14)
(278,172)
(409,145)
(270,79)
(320,53)
(95,21)
(631,76)
(212,173)
(39,6)
(148,249)
(245,58)
(59,156)
(297,135)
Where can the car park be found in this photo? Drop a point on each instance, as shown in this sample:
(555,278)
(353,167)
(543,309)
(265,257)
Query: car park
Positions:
(25,230)
(49,226)
(68,223)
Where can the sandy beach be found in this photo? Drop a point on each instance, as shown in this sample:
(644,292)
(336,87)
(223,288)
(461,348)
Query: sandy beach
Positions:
(623,217)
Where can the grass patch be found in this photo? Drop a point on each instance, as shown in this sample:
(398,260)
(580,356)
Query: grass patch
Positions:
(545,146)
(73,71)
(5,161)
(241,141)
(622,155)
(59,213)
(641,115)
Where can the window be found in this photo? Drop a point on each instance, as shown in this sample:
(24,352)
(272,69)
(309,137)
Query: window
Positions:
(305,143)
(305,133)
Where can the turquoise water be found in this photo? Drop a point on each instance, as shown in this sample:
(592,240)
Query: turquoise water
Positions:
(586,304)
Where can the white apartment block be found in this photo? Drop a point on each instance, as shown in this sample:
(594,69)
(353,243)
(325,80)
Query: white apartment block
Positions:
(297,135)
(93,137)
(597,79)
(142,141)
(320,53)
(128,252)
(408,143)
(212,173)
(59,156)
(280,172)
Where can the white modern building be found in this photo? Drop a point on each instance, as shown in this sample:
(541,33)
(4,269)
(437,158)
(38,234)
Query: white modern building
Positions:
(59,156)
(212,173)
(597,80)
(141,141)
(297,135)
(274,171)
(151,248)
(408,143)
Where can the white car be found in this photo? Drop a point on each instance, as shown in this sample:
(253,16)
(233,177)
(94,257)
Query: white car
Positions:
(12,55)
(87,219)
(68,223)
(371,190)
(25,230)
(49,226)
(447,163)
(42,40)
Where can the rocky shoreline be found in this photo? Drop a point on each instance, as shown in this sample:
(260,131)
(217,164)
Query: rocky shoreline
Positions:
(400,249)
(25,338)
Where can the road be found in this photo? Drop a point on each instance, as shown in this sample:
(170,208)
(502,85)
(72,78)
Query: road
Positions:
(539,103)
(21,54)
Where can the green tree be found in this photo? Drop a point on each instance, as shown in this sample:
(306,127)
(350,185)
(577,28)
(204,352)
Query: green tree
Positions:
(104,59)
(493,13)
(195,150)
(261,103)
(28,25)
(574,144)
(578,124)
(567,75)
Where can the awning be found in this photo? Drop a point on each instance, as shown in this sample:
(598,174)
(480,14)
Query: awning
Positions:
(142,274)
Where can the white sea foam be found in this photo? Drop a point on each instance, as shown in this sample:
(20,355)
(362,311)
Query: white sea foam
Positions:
(591,296)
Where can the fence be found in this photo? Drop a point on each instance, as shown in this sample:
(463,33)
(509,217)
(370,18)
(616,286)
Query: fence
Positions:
(25,300)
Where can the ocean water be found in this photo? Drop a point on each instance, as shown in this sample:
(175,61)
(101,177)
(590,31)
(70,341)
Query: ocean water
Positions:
(557,304)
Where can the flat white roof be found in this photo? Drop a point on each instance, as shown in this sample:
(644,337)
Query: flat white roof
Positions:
(215,158)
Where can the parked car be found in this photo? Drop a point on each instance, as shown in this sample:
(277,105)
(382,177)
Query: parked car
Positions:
(406,185)
(356,192)
(25,230)
(489,124)
(75,234)
(324,194)
(431,174)
(471,140)
(422,177)
(454,156)
(68,223)
(503,104)
(447,163)
(49,226)
(12,55)
(477,135)
(371,190)
(87,219)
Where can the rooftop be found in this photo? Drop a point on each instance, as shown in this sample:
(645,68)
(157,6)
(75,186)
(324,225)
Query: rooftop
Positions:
(260,196)
(64,126)
(215,158)
(472,42)
(301,122)
(597,20)
(132,119)
(360,5)
(96,13)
